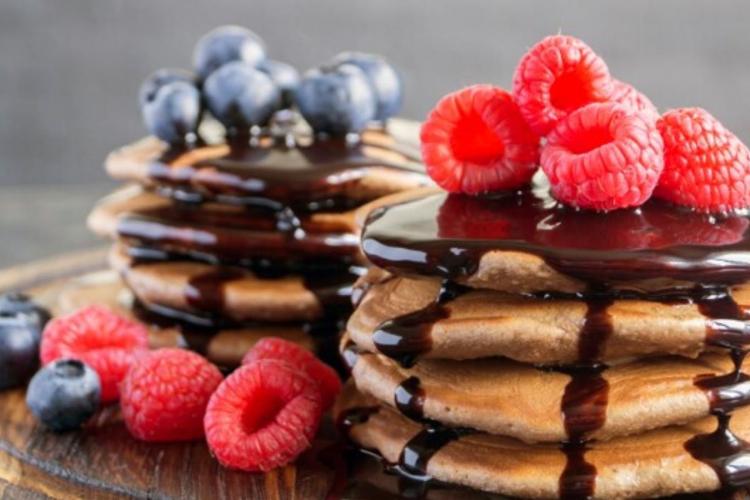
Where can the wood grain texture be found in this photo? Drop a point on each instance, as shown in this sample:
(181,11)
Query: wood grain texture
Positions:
(103,461)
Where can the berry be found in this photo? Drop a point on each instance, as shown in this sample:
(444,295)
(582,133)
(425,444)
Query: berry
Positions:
(164,396)
(603,156)
(227,44)
(301,359)
(557,76)
(64,395)
(262,416)
(241,96)
(336,100)
(627,95)
(107,342)
(706,166)
(285,76)
(475,141)
(157,80)
(19,350)
(174,113)
(383,78)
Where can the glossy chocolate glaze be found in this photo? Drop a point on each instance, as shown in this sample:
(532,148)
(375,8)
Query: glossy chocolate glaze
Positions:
(306,175)
(447,235)
(409,398)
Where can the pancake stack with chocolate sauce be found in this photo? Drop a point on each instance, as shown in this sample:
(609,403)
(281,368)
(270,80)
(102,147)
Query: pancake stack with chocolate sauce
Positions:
(242,227)
(540,338)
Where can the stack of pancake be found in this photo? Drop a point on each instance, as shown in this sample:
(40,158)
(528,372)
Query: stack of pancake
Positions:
(232,241)
(517,346)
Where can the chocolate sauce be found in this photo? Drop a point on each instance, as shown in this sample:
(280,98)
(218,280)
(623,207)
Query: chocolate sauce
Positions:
(447,235)
(297,176)
(722,450)
(409,398)
(405,337)
(350,353)
(418,451)
(205,292)
(355,416)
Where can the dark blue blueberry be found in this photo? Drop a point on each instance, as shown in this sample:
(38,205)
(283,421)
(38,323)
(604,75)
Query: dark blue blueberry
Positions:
(226,44)
(336,100)
(64,394)
(383,77)
(174,113)
(19,350)
(285,76)
(240,96)
(14,304)
(158,79)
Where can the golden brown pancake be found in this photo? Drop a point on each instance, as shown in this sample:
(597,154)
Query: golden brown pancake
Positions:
(483,323)
(647,465)
(505,397)
(236,294)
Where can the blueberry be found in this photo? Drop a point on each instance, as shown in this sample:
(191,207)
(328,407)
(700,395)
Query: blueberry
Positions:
(241,96)
(226,44)
(64,394)
(383,77)
(157,80)
(336,99)
(19,350)
(285,76)
(174,113)
(14,304)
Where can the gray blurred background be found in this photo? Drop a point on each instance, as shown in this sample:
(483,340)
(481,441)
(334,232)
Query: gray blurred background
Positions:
(70,70)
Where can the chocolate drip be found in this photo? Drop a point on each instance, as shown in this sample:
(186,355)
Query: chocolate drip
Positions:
(722,450)
(355,416)
(409,398)
(406,337)
(447,235)
(584,403)
(205,292)
(350,354)
(418,451)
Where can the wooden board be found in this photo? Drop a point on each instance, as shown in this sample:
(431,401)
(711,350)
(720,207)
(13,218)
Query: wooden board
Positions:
(103,461)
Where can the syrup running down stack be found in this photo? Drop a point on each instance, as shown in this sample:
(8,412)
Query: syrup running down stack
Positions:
(569,320)
(242,225)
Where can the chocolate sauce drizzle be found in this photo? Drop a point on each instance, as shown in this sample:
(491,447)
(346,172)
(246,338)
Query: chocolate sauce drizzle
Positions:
(406,337)
(409,398)
(447,235)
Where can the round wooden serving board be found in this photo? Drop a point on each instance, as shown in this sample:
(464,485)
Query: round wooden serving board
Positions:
(103,461)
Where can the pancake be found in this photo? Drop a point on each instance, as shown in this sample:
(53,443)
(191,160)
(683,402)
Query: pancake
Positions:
(484,323)
(646,465)
(526,242)
(305,175)
(504,397)
(235,294)
(223,346)
(229,234)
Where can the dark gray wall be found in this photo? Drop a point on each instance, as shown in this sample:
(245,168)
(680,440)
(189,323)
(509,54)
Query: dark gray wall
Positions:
(69,69)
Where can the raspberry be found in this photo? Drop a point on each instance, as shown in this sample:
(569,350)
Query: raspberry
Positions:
(557,76)
(475,141)
(706,166)
(301,359)
(627,95)
(262,416)
(164,396)
(100,338)
(603,156)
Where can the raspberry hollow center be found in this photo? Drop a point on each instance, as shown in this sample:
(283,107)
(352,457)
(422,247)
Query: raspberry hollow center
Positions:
(593,138)
(571,90)
(260,412)
(473,141)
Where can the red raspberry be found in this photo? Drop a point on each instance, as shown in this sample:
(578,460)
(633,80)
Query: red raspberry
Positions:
(301,359)
(628,96)
(706,166)
(100,338)
(603,156)
(164,396)
(557,76)
(475,141)
(262,416)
